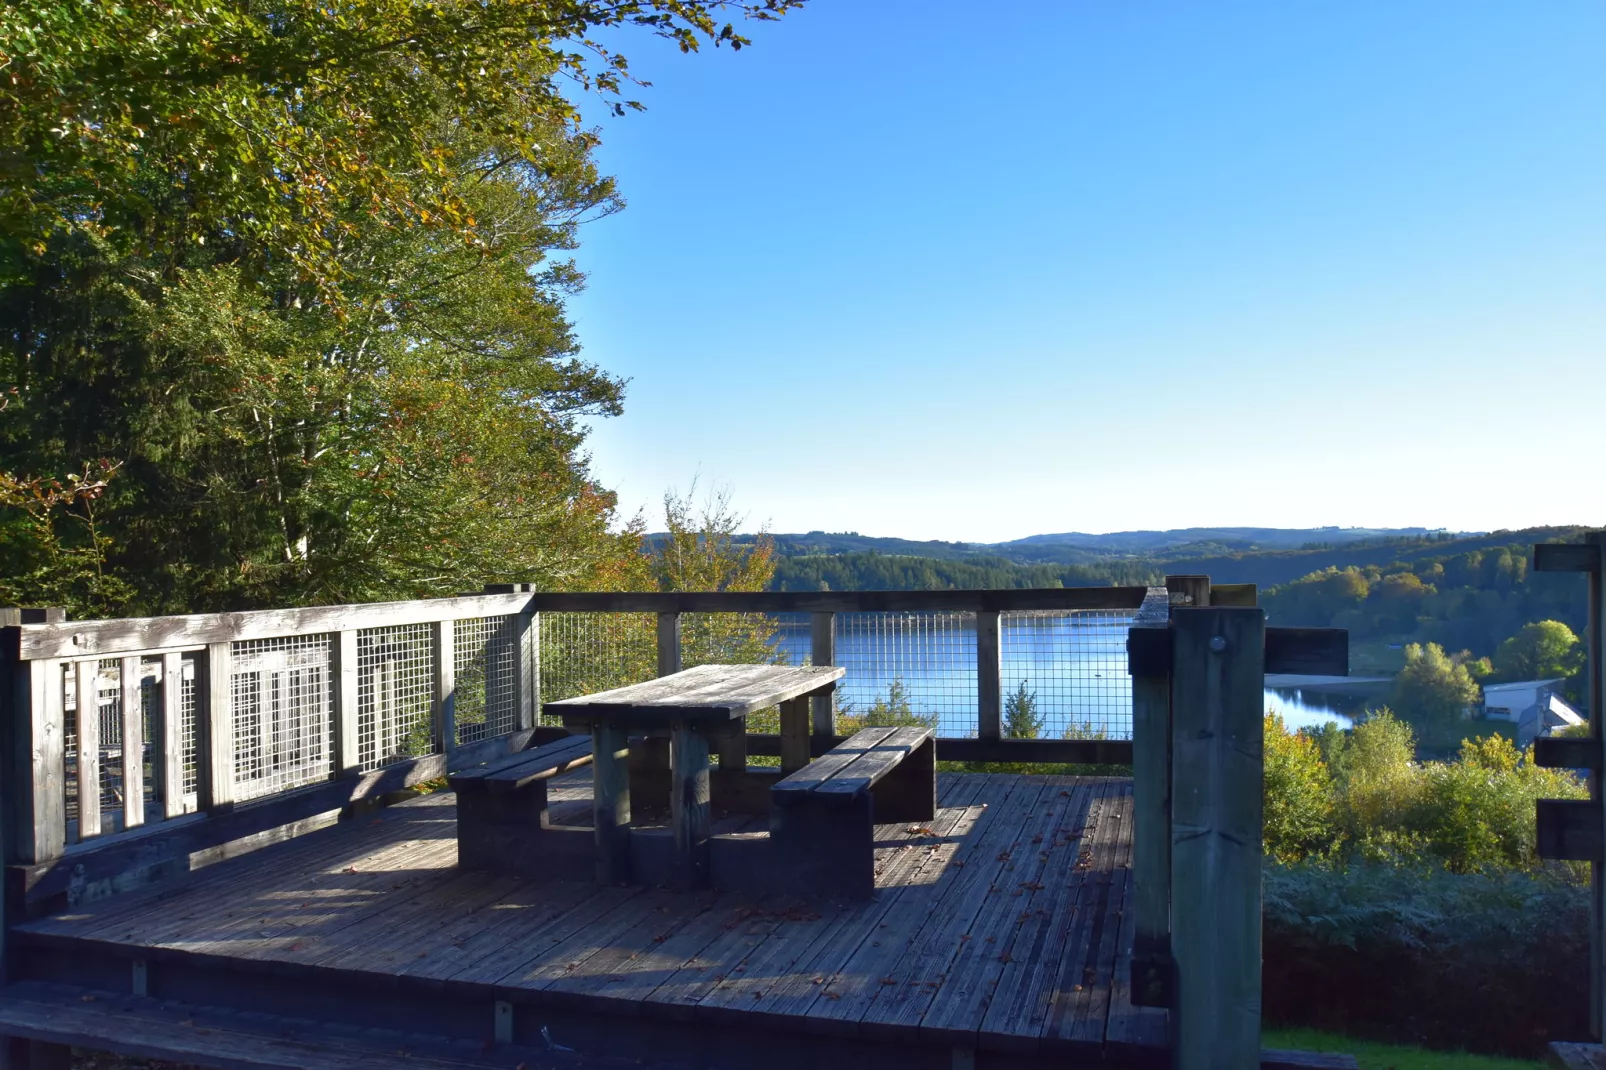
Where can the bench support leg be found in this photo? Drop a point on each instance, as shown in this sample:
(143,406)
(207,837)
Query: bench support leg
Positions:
(825,845)
(610,760)
(688,804)
(794,735)
(909,792)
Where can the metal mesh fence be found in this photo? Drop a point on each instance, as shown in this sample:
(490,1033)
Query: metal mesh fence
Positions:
(907,668)
(281,698)
(485,677)
(1063,675)
(395,694)
(583,653)
(192,767)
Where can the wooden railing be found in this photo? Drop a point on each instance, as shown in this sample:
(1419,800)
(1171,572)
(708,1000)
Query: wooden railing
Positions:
(137,747)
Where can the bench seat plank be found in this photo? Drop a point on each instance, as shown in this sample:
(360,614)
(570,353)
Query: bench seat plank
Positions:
(828,765)
(877,761)
(517,770)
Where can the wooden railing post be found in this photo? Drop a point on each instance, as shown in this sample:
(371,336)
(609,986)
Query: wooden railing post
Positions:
(822,651)
(131,701)
(527,670)
(668,644)
(214,727)
(343,708)
(1188,591)
(170,771)
(86,675)
(35,761)
(1149,661)
(444,707)
(1217,678)
(989,689)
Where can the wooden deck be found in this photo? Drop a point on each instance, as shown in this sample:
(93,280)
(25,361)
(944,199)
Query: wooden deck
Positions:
(1002,929)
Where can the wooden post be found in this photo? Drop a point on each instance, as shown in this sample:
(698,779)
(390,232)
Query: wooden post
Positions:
(688,804)
(668,644)
(822,651)
(343,673)
(1217,678)
(1151,800)
(214,728)
(989,691)
(444,711)
(527,670)
(610,788)
(794,735)
(1188,591)
(170,777)
(34,785)
(131,701)
(87,676)
(1596,634)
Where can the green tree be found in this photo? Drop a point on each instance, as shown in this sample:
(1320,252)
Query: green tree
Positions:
(273,121)
(1298,795)
(1022,720)
(1433,686)
(891,710)
(1539,651)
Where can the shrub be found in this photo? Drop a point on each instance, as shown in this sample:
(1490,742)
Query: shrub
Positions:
(1021,717)
(1299,795)
(1489,962)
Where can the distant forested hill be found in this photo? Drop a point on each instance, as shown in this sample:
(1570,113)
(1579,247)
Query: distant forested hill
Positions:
(906,572)
(1467,592)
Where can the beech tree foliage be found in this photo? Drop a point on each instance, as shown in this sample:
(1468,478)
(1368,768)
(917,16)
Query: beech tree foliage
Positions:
(294,275)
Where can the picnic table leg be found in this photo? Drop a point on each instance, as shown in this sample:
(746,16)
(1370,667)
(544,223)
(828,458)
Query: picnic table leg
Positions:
(794,735)
(610,779)
(688,803)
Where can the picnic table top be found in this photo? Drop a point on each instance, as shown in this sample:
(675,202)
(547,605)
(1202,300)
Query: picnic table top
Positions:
(707,693)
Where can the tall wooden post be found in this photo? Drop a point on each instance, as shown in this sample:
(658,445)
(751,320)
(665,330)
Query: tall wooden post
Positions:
(822,651)
(443,643)
(1218,767)
(668,644)
(214,728)
(343,708)
(1597,727)
(1149,661)
(989,689)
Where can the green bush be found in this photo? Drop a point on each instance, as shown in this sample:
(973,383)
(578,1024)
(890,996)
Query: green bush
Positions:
(1361,795)
(1493,961)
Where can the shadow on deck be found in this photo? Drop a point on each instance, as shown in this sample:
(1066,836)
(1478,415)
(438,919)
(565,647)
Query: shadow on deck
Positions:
(1000,935)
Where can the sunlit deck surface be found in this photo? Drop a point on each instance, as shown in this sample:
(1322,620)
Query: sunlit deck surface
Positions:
(1004,928)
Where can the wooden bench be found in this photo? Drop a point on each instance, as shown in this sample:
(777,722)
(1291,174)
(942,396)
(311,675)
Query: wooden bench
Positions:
(823,817)
(502,806)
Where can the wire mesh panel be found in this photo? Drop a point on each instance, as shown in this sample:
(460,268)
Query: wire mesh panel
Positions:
(485,680)
(742,639)
(583,653)
(395,694)
(186,698)
(907,668)
(1064,674)
(281,700)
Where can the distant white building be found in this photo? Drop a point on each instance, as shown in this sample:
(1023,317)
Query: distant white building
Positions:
(1508,702)
(1544,717)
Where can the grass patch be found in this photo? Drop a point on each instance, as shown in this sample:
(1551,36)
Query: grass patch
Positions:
(1375,1055)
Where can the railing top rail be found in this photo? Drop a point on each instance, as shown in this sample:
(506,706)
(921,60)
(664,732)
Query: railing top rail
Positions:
(79,639)
(76,639)
(1001,600)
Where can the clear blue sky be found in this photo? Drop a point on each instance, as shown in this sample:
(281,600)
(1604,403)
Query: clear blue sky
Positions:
(978,271)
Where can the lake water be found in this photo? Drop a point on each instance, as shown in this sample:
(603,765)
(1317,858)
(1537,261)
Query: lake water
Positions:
(1074,665)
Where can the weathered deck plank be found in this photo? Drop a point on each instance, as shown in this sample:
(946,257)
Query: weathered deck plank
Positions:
(1033,873)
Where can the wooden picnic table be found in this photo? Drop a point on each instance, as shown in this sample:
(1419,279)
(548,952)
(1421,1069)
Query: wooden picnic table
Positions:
(690,706)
